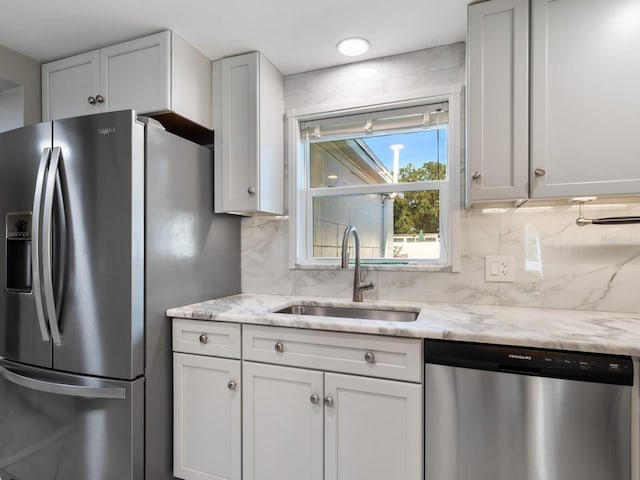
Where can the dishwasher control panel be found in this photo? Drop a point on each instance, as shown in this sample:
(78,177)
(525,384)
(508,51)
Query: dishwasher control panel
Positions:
(591,367)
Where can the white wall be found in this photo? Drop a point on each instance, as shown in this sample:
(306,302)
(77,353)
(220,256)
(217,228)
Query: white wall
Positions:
(25,72)
(557,264)
(11,107)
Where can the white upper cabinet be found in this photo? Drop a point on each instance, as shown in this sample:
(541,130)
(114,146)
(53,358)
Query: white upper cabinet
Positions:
(69,84)
(579,136)
(156,74)
(585,98)
(248,118)
(498,100)
(137,74)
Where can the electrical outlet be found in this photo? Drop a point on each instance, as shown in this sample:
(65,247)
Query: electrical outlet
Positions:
(498,268)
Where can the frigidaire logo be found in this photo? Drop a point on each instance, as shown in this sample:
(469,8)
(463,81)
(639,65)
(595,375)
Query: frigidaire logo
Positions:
(519,357)
(106,131)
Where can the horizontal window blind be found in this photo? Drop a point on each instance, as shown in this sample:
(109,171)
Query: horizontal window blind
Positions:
(387,121)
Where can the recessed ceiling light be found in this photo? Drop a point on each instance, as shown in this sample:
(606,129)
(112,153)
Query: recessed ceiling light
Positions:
(352,47)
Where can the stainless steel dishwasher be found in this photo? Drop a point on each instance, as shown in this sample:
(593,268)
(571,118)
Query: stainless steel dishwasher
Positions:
(512,413)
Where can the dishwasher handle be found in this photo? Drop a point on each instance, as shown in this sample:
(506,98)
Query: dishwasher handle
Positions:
(520,369)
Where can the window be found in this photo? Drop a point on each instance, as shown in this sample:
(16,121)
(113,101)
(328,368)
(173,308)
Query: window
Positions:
(386,171)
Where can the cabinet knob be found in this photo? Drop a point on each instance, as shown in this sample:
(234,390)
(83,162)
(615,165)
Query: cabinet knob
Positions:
(251,190)
(279,347)
(315,399)
(370,357)
(99,99)
(540,172)
(232,385)
(203,338)
(328,401)
(91,100)
(476,175)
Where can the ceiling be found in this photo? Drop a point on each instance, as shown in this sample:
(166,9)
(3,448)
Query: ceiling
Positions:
(296,35)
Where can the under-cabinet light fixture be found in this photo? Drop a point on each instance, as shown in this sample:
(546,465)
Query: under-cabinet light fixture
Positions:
(353,46)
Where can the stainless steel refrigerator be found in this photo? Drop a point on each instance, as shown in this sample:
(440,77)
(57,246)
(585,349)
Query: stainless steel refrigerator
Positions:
(107,222)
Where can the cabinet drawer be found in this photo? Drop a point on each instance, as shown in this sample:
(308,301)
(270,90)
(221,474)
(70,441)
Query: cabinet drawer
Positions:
(371,355)
(206,338)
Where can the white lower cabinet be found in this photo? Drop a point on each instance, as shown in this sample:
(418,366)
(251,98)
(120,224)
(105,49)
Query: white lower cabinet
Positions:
(372,428)
(207,401)
(207,418)
(314,405)
(282,426)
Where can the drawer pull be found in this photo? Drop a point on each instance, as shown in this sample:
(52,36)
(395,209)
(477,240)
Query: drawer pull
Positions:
(328,401)
(370,357)
(279,347)
(315,399)
(203,339)
(232,385)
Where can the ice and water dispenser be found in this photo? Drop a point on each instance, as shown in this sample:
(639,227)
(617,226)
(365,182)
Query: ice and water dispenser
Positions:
(18,251)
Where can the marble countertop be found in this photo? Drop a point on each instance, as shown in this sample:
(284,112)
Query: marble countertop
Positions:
(588,331)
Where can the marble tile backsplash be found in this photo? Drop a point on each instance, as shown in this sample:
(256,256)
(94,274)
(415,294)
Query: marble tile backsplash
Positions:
(561,265)
(372,79)
(556,263)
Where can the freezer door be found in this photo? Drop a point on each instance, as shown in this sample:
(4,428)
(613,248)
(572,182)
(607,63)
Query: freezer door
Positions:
(100,317)
(23,337)
(63,427)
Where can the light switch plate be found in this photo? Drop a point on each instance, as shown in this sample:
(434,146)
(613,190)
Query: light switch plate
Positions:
(498,268)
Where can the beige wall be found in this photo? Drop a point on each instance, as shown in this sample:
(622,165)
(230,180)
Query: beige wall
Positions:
(24,71)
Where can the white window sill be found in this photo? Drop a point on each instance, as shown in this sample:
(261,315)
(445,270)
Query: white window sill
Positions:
(376,267)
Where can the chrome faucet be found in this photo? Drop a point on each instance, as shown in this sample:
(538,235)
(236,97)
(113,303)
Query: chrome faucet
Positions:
(358,284)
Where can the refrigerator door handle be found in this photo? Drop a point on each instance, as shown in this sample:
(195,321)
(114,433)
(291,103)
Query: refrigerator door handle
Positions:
(47,256)
(61,222)
(62,388)
(35,243)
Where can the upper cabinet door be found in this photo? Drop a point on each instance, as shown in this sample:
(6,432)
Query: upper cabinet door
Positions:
(240,132)
(136,74)
(248,121)
(585,100)
(498,99)
(70,86)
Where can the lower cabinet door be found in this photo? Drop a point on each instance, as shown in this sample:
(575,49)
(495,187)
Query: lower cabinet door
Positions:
(282,423)
(373,429)
(207,418)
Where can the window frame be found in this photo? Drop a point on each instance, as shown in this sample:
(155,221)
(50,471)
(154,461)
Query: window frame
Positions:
(300,200)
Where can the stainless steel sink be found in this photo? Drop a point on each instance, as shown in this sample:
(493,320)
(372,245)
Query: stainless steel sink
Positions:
(351,312)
